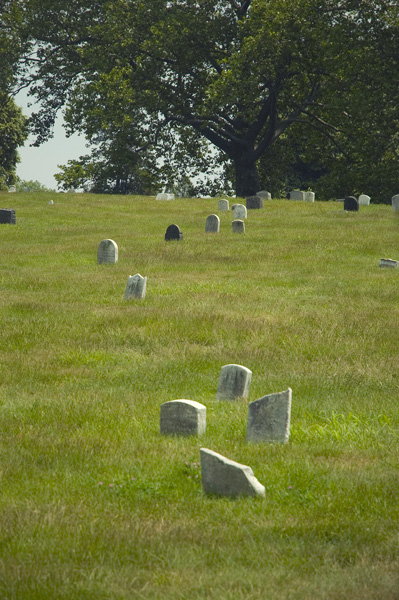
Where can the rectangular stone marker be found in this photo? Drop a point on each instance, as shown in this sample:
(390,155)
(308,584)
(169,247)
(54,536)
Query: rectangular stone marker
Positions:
(269,418)
(223,205)
(395,202)
(296,195)
(234,382)
(264,194)
(364,200)
(183,417)
(240,211)
(212,224)
(254,202)
(136,287)
(7,215)
(309,196)
(107,252)
(388,263)
(225,477)
(238,226)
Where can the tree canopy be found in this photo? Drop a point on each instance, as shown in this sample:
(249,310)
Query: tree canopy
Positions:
(238,74)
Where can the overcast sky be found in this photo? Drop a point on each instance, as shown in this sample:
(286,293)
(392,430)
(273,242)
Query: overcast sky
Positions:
(40,164)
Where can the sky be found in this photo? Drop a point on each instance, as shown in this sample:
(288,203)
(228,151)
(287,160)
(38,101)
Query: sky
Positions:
(40,164)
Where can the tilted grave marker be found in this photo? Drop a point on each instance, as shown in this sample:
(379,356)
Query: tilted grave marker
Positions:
(269,418)
(225,477)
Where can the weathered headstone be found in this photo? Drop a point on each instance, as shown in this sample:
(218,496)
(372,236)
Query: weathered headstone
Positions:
(395,202)
(351,204)
(51,202)
(254,202)
(107,252)
(264,194)
(7,215)
(234,382)
(223,205)
(269,418)
(212,224)
(388,263)
(296,195)
(183,417)
(364,200)
(136,286)
(225,477)
(238,226)
(165,196)
(240,211)
(309,196)
(173,233)
(233,206)
(12,189)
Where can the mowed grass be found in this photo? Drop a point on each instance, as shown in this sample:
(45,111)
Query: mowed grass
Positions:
(95,503)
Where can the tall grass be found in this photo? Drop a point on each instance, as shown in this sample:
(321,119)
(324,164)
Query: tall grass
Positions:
(95,503)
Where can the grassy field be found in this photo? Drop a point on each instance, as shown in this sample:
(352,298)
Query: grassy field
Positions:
(94,503)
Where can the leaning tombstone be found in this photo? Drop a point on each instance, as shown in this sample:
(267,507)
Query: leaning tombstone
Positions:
(364,200)
(309,196)
(173,233)
(212,224)
(224,477)
(234,382)
(351,204)
(296,195)
(388,263)
(107,252)
(223,205)
(264,194)
(136,287)
(183,417)
(7,215)
(240,211)
(269,418)
(395,202)
(238,226)
(254,202)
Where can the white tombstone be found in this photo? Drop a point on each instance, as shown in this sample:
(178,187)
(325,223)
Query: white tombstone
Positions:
(12,189)
(183,417)
(238,226)
(212,224)
(296,195)
(165,196)
(223,204)
(388,263)
(107,252)
(240,211)
(364,200)
(136,286)
(309,196)
(225,477)
(51,202)
(269,418)
(264,194)
(395,202)
(234,382)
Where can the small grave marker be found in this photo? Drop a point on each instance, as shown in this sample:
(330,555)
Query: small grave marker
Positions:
(183,417)
(253,202)
(264,194)
(240,211)
(107,252)
(173,233)
(238,226)
(7,215)
(136,287)
(388,263)
(165,196)
(351,204)
(309,196)
(234,382)
(269,418)
(212,224)
(225,477)
(395,202)
(296,195)
(364,200)
(223,205)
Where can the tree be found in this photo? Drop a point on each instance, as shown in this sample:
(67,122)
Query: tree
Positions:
(236,73)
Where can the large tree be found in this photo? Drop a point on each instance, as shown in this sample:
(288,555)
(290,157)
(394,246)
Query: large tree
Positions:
(237,73)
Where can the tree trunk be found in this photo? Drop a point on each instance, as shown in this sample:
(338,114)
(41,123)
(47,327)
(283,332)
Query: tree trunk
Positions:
(247,178)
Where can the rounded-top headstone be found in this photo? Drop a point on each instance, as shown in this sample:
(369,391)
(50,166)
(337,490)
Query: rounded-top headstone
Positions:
(351,204)
(234,382)
(212,224)
(173,233)
(238,226)
(364,200)
(183,417)
(223,204)
(136,287)
(264,194)
(254,202)
(395,202)
(107,252)
(309,196)
(240,211)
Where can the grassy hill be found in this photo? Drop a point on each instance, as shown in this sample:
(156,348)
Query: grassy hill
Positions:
(95,503)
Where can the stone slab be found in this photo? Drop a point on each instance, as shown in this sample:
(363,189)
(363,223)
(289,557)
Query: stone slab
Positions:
(7,215)
(296,195)
(224,477)
(395,202)
(254,202)
(183,417)
(388,263)
(234,382)
(136,287)
(269,418)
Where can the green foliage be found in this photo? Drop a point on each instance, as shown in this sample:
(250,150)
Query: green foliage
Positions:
(13,133)
(31,186)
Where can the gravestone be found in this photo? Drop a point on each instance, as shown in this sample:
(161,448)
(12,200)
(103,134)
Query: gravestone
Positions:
(351,204)
(234,382)
(183,417)
(173,233)
(136,286)
(7,215)
(107,252)
(212,224)
(254,202)
(364,200)
(264,194)
(388,263)
(309,196)
(225,477)
(223,205)
(51,202)
(269,418)
(238,226)
(395,202)
(12,189)
(296,195)
(240,211)
(164,196)
(233,206)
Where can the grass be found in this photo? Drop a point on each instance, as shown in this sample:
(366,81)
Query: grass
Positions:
(95,503)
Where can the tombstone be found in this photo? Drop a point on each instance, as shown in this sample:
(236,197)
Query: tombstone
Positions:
(296,195)
(269,418)
(164,196)
(225,477)
(388,263)
(12,189)
(173,233)
(254,202)
(107,252)
(233,206)
(309,196)
(395,202)
(364,200)
(51,202)
(223,205)
(234,382)
(136,287)
(264,194)
(7,215)
(183,417)
(212,224)
(351,204)
(238,226)
(240,211)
